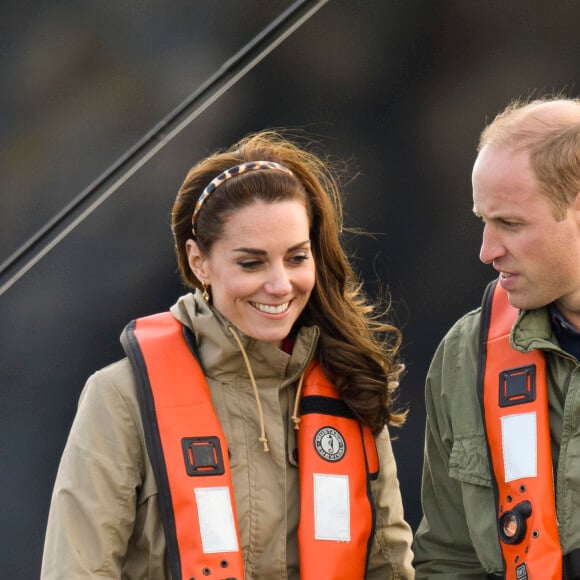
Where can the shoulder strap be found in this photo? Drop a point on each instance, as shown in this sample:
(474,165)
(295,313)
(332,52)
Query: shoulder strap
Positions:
(191,470)
(513,393)
(337,459)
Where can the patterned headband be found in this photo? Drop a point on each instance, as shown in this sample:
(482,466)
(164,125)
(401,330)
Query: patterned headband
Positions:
(228,174)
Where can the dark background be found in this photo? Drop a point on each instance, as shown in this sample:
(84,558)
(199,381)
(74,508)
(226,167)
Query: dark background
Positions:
(400,89)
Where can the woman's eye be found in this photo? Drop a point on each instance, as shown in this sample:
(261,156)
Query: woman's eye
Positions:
(299,258)
(250,264)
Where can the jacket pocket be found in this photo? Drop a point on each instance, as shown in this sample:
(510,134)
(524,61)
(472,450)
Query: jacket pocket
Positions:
(468,462)
(469,465)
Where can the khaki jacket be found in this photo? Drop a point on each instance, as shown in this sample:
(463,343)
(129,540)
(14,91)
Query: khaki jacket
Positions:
(457,537)
(104,518)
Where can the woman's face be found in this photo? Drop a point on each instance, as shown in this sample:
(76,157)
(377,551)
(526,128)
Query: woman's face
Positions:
(261,271)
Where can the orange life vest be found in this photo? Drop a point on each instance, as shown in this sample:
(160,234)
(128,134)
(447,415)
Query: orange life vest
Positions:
(337,460)
(514,396)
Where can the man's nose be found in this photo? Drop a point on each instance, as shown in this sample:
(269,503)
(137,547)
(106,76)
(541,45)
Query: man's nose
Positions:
(491,246)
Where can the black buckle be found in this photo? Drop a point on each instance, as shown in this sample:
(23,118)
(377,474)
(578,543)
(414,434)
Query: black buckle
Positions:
(517,386)
(203,456)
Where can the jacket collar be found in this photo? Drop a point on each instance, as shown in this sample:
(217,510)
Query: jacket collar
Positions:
(220,353)
(533,329)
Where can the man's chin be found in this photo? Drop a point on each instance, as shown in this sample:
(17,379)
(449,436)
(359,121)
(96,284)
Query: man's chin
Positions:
(522,302)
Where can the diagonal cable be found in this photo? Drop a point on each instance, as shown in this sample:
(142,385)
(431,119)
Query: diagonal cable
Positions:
(54,231)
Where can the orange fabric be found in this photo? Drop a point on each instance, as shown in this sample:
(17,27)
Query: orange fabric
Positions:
(181,392)
(542,555)
(330,559)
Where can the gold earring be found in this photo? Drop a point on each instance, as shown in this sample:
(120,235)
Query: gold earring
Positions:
(205,293)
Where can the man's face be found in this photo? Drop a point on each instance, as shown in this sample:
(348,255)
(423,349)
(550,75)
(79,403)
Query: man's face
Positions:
(537,257)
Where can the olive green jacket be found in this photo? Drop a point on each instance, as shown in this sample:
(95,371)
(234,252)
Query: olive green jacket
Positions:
(457,537)
(104,520)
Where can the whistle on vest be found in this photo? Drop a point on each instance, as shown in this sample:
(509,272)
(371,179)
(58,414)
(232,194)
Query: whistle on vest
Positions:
(513,523)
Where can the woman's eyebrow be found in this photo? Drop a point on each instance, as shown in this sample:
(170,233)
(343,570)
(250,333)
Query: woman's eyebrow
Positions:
(250,251)
(258,252)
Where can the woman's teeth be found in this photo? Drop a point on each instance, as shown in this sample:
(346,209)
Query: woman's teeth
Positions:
(269,309)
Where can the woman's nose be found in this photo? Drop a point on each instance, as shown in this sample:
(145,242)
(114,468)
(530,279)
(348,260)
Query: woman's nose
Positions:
(278,281)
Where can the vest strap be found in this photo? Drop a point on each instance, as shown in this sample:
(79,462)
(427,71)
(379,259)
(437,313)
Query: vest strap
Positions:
(339,529)
(513,393)
(201,535)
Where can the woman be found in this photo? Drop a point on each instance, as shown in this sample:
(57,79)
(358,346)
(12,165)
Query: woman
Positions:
(245,435)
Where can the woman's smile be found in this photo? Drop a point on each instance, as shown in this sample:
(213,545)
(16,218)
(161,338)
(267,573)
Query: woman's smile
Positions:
(271,308)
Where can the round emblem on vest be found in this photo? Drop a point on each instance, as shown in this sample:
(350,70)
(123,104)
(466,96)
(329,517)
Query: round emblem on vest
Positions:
(329,444)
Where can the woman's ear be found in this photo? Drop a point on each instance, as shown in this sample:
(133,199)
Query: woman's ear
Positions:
(197,261)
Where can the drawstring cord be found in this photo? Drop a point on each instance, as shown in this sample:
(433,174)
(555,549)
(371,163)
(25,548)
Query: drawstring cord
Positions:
(262,438)
(295,418)
(393,384)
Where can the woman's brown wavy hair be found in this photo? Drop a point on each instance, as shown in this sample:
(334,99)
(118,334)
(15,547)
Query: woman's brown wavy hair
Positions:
(358,347)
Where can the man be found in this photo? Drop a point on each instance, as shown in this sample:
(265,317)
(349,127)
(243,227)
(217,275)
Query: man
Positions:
(501,496)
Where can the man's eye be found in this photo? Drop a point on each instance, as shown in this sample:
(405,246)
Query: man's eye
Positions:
(509,225)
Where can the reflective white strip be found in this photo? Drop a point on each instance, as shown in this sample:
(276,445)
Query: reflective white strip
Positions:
(216,520)
(520,445)
(331,507)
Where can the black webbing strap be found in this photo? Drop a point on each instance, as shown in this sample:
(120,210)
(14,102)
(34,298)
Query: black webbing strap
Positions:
(571,565)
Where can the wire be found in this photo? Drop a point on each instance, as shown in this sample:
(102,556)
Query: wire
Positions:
(65,221)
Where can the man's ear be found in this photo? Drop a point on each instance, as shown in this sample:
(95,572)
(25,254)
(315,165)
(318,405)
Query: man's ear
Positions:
(197,261)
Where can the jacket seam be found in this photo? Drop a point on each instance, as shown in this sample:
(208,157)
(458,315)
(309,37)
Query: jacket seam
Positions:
(108,564)
(386,550)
